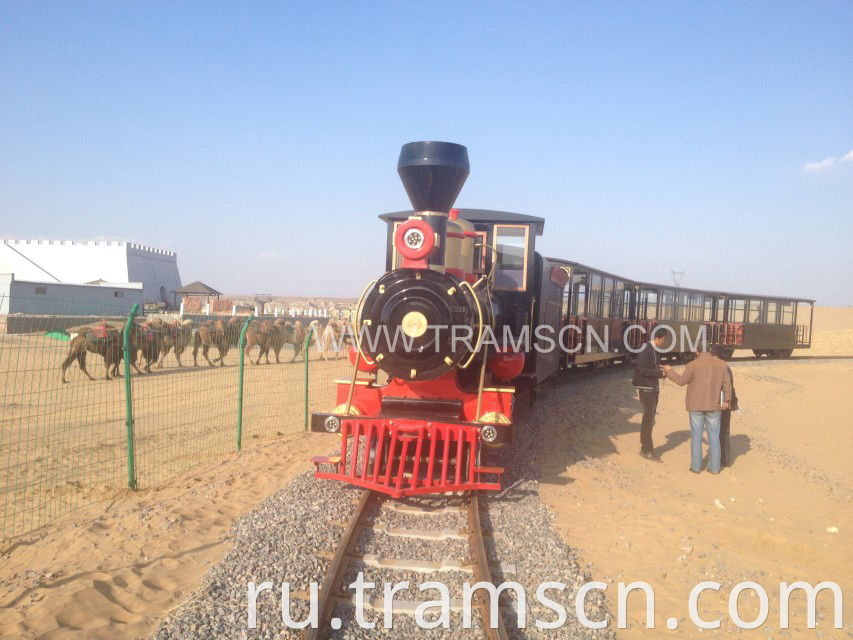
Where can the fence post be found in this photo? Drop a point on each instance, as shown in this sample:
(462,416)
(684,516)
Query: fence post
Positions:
(131,456)
(240,384)
(305,358)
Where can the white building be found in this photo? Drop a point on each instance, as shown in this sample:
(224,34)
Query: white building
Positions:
(61,299)
(68,262)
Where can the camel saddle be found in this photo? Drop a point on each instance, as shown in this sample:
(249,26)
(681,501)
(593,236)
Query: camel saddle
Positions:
(98,334)
(145,334)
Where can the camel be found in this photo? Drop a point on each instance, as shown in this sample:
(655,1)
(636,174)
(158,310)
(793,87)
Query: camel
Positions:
(292,334)
(329,336)
(259,334)
(102,339)
(278,337)
(146,337)
(212,334)
(178,336)
(233,328)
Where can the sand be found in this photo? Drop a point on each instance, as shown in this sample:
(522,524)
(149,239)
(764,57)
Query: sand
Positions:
(115,568)
(766,519)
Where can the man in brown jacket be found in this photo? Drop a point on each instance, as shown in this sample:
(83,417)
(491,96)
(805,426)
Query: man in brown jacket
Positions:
(705,377)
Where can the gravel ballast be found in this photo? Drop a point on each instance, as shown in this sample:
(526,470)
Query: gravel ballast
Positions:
(277,542)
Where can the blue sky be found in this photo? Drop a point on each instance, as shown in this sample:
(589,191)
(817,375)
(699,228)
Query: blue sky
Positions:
(260,141)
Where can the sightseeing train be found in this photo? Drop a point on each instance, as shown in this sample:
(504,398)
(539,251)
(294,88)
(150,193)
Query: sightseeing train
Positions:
(460,323)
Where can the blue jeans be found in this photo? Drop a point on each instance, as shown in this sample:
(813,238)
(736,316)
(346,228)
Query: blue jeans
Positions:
(705,421)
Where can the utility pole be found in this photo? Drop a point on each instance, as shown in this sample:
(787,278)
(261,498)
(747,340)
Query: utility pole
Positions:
(677,277)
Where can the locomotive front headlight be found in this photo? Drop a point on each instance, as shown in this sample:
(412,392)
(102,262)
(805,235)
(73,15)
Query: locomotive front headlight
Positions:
(414,238)
(332,424)
(414,324)
(489,434)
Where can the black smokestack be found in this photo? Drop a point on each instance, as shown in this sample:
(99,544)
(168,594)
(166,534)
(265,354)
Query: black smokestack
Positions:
(433,174)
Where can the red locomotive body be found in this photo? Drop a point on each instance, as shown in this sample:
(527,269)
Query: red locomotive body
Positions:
(424,323)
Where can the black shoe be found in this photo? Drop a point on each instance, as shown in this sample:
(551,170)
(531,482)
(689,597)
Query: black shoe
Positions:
(651,455)
(694,471)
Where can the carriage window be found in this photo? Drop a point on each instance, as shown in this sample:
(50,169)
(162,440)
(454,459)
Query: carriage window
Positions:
(41,290)
(567,296)
(594,296)
(772,313)
(667,300)
(579,294)
(802,313)
(755,307)
(606,297)
(511,243)
(649,304)
(709,309)
(618,310)
(683,306)
(787,309)
(697,301)
(118,294)
(736,310)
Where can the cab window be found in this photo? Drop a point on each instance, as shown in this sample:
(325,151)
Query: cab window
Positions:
(511,245)
(481,250)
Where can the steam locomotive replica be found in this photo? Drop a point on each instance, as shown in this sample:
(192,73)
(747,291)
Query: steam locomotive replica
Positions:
(452,321)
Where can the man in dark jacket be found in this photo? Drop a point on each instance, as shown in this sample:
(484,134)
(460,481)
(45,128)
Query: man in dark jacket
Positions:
(647,373)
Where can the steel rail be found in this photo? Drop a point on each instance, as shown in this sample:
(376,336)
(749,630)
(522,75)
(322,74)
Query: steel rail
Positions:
(330,589)
(337,568)
(482,572)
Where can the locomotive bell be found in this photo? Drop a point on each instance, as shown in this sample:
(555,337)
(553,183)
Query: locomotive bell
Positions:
(433,174)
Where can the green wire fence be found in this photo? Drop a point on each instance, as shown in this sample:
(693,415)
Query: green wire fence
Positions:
(196,388)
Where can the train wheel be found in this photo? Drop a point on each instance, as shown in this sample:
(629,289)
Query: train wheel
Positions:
(759,353)
(785,353)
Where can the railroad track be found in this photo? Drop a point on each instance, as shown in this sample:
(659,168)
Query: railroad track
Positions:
(477,563)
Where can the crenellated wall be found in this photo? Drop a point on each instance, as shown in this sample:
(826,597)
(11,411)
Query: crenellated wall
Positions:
(68,261)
